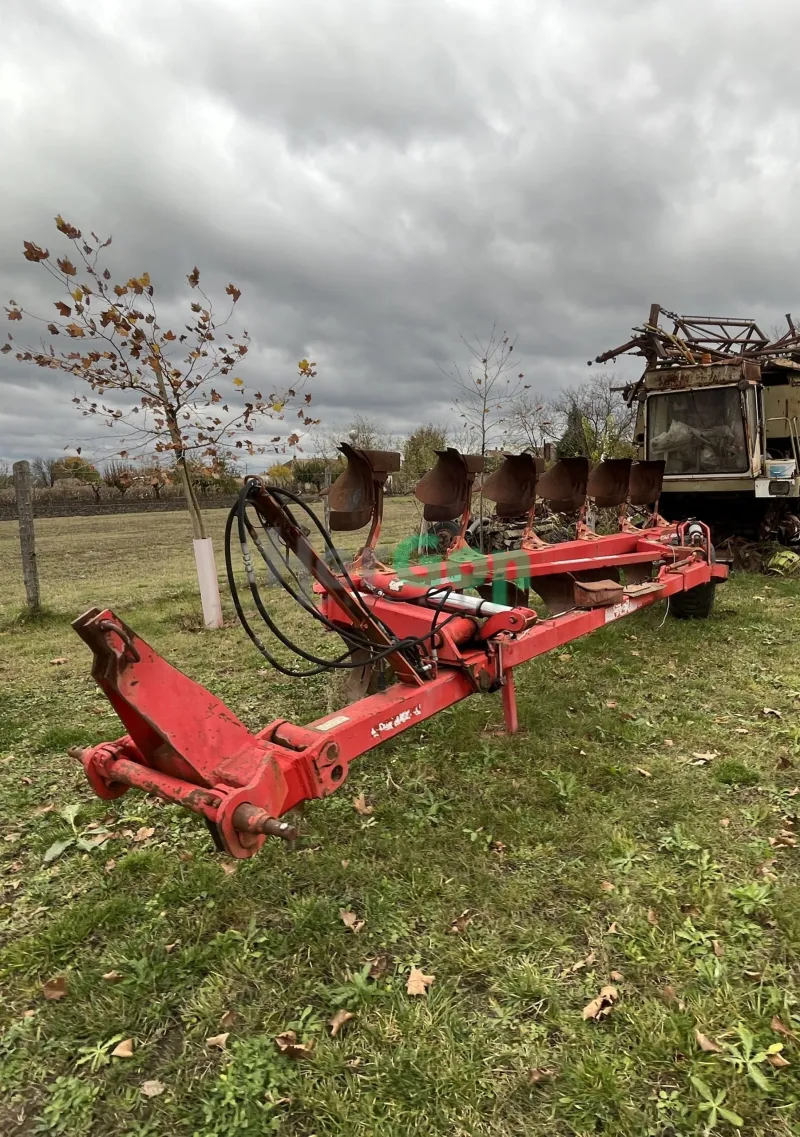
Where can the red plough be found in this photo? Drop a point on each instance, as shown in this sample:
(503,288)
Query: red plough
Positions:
(417,623)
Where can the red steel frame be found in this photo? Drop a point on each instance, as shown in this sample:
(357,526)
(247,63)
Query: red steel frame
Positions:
(184,745)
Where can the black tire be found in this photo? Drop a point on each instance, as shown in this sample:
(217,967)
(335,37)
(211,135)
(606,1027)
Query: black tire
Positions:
(444,533)
(697,603)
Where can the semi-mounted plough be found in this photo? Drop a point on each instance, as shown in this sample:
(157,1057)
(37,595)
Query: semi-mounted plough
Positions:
(427,634)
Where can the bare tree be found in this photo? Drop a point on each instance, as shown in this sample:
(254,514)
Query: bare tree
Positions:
(594,419)
(486,389)
(530,423)
(166,382)
(45,472)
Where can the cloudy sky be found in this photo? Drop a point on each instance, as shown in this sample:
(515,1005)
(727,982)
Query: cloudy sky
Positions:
(380,178)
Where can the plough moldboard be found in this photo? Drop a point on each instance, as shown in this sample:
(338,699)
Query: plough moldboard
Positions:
(442,631)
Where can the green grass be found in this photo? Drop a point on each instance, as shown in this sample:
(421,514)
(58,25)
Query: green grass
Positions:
(527,833)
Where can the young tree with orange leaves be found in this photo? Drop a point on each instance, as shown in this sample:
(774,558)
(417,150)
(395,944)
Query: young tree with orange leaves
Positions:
(173,391)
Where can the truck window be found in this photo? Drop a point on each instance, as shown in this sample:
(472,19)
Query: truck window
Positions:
(697,432)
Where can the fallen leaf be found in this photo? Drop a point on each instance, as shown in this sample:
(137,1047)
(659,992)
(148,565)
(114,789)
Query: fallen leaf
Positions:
(345,864)
(611,704)
(652,917)
(540,1074)
(360,806)
(783,841)
(460,923)
(668,742)
(724,822)
(55,989)
(185,857)
(601,1005)
(228,1019)
(777,1060)
(607,886)
(741,730)
(351,921)
(706,1043)
(113,976)
(705,756)
(581,963)
(218,1041)
(287,1044)
(781,1028)
(144,833)
(110,865)
(40,809)
(612,929)
(229,868)
(170,948)
(60,660)
(498,848)
(379,966)
(719,948)
(123,1049)
(418,983)
(28,1014)
(770,712)
(566,655)
(337,1022)
(636,653)
(617,976)
(643,772)
(153,1088)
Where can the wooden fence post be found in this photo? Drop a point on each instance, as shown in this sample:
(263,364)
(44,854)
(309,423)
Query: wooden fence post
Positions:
(24,492)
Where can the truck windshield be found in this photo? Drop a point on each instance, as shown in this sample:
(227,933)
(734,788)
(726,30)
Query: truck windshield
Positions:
(697,432)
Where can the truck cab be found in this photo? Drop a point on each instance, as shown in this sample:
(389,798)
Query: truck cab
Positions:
(719,405)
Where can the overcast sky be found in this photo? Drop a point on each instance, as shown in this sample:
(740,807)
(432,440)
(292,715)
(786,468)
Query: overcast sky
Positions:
(379,178)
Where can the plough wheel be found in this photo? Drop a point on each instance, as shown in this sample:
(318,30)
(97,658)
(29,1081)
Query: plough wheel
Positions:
(697,603)
(356,683)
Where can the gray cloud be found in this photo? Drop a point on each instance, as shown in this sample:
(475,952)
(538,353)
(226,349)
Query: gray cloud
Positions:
(381,178)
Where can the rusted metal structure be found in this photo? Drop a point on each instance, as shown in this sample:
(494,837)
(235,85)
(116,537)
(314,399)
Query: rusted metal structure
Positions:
(418,628)
(718,402)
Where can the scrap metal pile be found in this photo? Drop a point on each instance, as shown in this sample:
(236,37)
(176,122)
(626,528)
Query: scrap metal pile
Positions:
(444,630)
(694,340)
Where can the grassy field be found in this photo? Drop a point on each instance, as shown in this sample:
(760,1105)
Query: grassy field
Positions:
(637,832)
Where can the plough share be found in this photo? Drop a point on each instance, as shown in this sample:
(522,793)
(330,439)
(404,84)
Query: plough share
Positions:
(430,634)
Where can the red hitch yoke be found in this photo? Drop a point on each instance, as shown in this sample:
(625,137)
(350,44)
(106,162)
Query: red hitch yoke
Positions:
(186,746)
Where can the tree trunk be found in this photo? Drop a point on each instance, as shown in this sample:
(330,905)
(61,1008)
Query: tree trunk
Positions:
(22,486)
(196,517)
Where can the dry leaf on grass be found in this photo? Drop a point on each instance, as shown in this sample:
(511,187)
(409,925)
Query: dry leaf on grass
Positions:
(641,770)
(719,948)
(418,982)
(351,921)
(668,742)
(777,1060)
(338,1021)
(379,966)
(144,833)
(617,976)
(781,1028)
(580,964)
(611,704)
(113,976)
(287,1044)
(55,989)
(62,659)
(229,868)
(41,809)
(541,1074)
(227,1020)
(360,806)
(601,1005)
(704,757)
(218,1041)
(170,948)
(607,886)
(770,712)
(123,1049)
(724,822)
(612,929)
(652,917)
(706,1043)
(459,925)
(153,1088)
